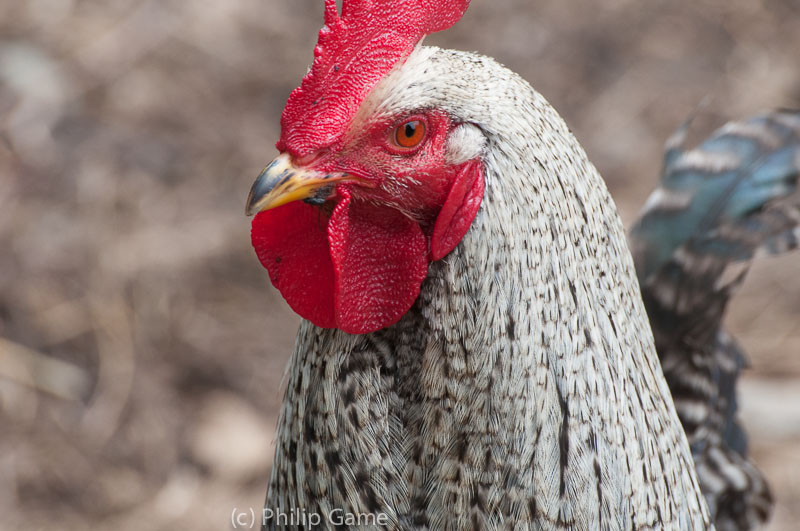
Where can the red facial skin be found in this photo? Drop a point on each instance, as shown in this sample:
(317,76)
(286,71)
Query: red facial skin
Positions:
(357,262)
(414,181)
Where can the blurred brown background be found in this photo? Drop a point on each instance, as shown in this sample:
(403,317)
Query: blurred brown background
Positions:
(141,347)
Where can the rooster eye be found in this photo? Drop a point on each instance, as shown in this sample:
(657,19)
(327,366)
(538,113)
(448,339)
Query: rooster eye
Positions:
(409,134)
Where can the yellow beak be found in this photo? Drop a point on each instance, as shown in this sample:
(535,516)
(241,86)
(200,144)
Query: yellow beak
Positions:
(282,182)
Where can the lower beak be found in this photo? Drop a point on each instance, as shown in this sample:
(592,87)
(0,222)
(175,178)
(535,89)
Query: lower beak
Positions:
(282,182)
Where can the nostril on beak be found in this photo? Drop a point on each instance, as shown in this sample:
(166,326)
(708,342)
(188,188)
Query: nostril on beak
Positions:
(310,158)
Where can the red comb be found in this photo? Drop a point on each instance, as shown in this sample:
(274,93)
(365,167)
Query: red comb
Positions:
(354,51)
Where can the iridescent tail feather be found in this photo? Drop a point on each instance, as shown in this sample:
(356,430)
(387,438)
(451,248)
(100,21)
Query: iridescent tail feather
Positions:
(717,207)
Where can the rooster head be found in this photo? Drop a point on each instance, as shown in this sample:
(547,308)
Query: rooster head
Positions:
(361,199)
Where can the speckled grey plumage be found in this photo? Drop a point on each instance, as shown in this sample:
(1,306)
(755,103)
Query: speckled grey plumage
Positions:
(522,390)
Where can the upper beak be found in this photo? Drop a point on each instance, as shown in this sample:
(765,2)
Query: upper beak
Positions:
(282,181)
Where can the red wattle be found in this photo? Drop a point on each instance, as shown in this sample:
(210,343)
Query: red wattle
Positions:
(291,242)
(379,260)
(358,271)
(459,209)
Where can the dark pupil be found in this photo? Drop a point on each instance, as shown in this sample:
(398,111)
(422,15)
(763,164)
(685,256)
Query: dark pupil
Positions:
(411,128)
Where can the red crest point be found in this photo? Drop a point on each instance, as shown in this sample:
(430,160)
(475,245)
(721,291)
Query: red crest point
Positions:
(354,51)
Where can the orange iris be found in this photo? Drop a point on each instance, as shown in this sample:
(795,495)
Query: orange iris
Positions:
(410,134)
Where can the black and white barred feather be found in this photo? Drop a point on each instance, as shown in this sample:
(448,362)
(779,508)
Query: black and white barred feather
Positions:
(718,206)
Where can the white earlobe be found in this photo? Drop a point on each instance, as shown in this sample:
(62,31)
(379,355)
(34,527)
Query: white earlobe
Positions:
(464,143)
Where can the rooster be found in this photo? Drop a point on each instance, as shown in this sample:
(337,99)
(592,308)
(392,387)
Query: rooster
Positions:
(475,351)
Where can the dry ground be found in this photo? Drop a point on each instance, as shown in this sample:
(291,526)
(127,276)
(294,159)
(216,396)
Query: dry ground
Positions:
(141,347)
